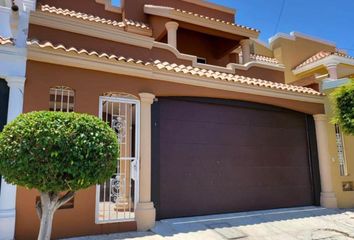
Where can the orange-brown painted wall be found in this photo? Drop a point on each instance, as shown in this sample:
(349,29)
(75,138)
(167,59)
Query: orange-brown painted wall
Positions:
(215,49)
(78,221)
(88,86)
(79,41)
(84,6)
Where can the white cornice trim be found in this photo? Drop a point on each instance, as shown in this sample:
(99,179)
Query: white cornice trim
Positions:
(330,84)
(327,61)
(92,29)
(168,12)
(149,72)
(177,53)
(13,51)
(294,35)
(5,10)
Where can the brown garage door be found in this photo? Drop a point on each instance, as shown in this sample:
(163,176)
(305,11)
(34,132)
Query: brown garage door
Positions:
(215,156)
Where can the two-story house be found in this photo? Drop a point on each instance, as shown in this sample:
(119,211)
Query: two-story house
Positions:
(205,124)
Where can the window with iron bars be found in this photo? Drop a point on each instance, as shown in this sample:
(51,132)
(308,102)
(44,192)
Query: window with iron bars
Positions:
(340,151)
(61,99)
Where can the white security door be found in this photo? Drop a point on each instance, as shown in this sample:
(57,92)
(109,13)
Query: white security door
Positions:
(116,198)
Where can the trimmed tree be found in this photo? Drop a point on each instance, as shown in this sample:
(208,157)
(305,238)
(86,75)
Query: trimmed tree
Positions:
(58,154)
(343,99)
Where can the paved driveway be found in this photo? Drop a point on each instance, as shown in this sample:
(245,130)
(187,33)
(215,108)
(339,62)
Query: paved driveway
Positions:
(306,223)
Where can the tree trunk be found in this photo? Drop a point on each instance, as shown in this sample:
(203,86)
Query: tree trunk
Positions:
(48,203)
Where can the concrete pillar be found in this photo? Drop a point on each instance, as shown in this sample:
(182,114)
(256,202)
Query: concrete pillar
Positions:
(8,191)
(328,197)
(145,212)
(246,50)
(172,28)
(332,71)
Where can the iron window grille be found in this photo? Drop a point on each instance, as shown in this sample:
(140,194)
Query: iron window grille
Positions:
(61,99)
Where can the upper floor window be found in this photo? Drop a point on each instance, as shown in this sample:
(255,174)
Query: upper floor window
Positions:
(61,99)
(340,150)
(201,60)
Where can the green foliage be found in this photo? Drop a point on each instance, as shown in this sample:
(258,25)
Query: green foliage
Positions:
(57,152)
(343,99)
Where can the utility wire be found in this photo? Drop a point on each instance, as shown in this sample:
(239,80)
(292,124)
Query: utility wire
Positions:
(279,17)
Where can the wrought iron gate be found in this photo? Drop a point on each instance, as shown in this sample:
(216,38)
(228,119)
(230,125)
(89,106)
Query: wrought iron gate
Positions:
(116,198)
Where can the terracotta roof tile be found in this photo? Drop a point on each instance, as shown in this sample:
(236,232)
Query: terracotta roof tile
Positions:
(84,52)
(182,69)
(321,55)
(206,17)
(314,58)
(6,41)
(260,58)
(234,78)
(92,18)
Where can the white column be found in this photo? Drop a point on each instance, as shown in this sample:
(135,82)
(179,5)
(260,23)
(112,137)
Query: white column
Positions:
(8,191)
(145,212)
(172,28)
(246,50)
(328,197)
(332,71)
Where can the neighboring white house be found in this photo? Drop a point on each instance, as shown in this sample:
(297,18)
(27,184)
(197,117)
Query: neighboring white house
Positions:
(14,15)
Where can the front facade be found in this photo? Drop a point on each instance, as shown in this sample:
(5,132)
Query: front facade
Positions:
(205,118)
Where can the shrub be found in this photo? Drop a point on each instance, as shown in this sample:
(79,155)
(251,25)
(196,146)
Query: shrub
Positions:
(57,153)
(343,99)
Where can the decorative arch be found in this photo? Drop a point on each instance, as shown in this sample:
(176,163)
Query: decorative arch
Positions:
(120,95)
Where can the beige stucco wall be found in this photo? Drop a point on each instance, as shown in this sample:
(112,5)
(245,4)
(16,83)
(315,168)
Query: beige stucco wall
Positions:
(260,49)
(344,199)
(293,52)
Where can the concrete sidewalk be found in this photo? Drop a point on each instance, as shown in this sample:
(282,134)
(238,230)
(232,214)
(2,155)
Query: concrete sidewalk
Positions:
(306,223)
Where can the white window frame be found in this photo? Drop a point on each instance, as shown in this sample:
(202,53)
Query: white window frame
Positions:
(203,59)
(136,102)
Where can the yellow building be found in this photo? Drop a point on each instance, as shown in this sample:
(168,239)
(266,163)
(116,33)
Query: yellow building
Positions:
(318,64)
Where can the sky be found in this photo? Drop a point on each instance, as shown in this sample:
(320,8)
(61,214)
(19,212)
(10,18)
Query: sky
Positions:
(331,20)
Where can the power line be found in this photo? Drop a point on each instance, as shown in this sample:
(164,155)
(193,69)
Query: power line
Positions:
(279,17)
(350,49)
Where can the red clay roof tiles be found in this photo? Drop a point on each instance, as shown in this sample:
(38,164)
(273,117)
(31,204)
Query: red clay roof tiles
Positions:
(321,55)
(92,18)
(182,69)
(205,17)
(6,41)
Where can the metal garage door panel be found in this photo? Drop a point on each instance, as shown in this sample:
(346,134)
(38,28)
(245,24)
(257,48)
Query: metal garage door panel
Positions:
(214,158)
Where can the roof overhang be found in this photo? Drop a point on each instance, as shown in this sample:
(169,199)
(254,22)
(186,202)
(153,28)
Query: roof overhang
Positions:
(199,20)
(112,64)
(342,62)
(294,35)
